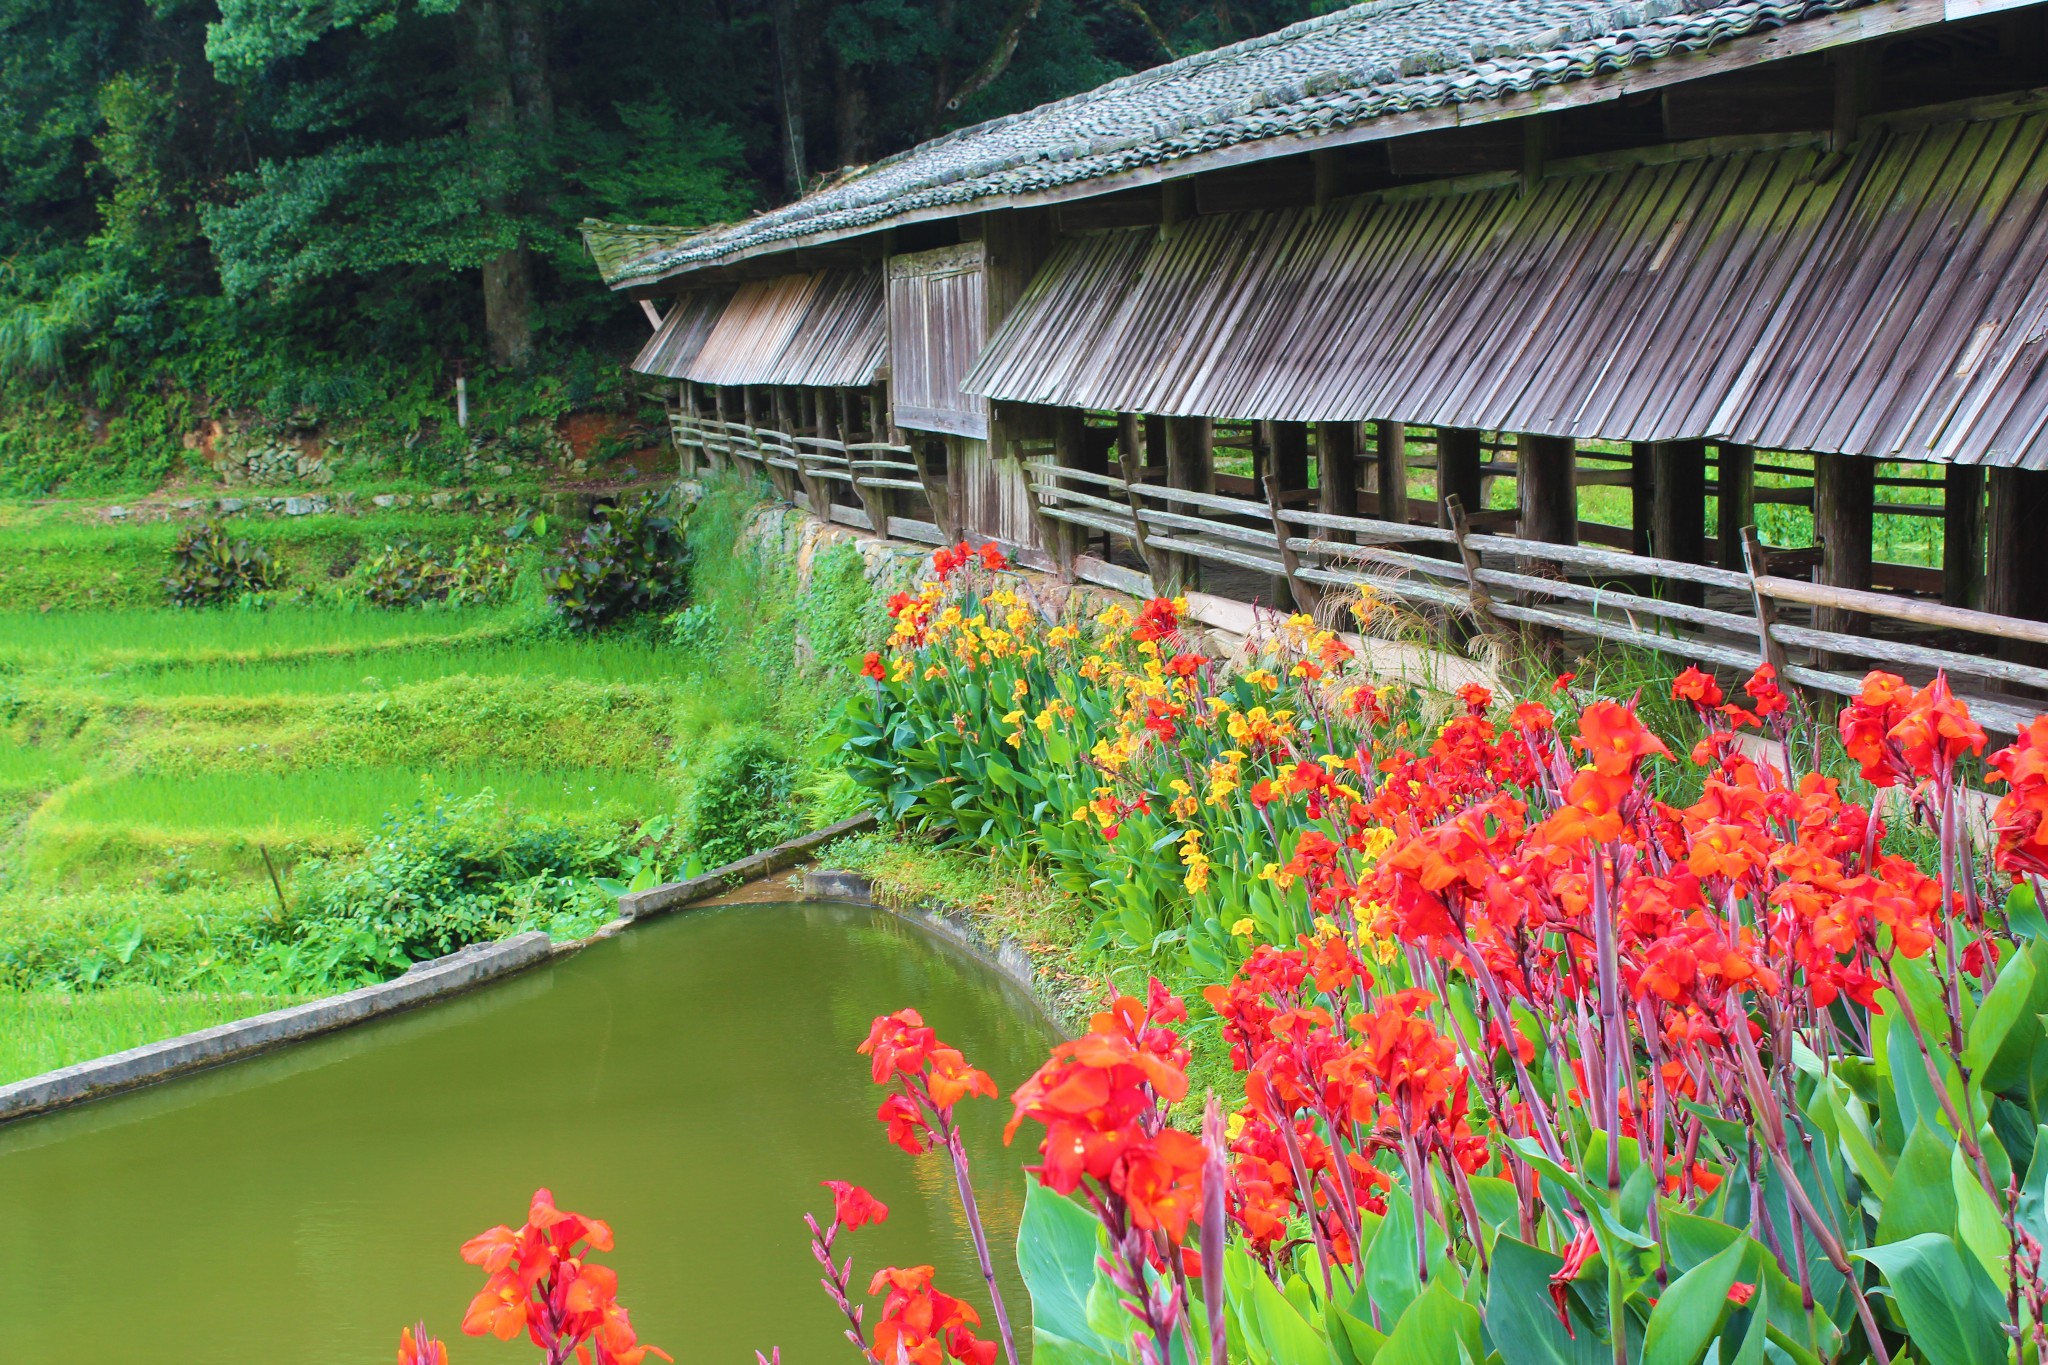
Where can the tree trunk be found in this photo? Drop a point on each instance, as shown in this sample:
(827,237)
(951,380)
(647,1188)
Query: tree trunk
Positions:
(849,112)
(508,276)
(789,103)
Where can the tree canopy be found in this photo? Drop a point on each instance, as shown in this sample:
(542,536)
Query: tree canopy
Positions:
(226,196)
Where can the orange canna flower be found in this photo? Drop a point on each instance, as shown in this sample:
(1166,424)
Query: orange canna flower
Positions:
(415,1347)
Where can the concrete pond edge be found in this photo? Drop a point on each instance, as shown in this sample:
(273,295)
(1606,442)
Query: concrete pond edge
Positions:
(423,983)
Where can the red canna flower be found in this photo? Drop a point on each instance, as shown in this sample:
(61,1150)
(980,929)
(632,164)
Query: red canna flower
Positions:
(1577,1255)
(2021,817)
(853,1207)
(1698,688)
(921,1326)
(1762,688)
(1936,731)
(992,557)
(871,667)
(1476,699)
(1740,1294)
(541,1280)
(1158,620)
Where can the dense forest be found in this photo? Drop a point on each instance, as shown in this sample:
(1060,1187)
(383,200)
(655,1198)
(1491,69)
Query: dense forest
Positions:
(319,211)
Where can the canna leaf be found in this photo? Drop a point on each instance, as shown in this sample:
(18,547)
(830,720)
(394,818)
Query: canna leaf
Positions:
(1978,1225)
(1952,1311)
(1689,1314)
(1521,1317)
(1439,1328)
(2005,1005)
(1057,1246)
(1923,1197)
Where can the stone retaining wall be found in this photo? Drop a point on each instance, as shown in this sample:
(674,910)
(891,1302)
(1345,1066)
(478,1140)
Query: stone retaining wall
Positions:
(140,1066)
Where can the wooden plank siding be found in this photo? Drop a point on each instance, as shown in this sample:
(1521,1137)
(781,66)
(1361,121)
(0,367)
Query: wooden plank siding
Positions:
(938,325)
(1891,302)
(817,329)
(684,328)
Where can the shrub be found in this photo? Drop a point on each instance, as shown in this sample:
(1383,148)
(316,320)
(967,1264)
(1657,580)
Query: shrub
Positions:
(629,560)
(207,568)
(742,799)
(409,575)
(440,875)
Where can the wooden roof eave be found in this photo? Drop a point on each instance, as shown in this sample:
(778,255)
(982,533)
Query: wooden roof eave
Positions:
(1818,34)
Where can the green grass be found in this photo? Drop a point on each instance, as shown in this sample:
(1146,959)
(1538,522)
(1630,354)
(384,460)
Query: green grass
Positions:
(98,640)
(620,660)
(43,1030)
(331,801)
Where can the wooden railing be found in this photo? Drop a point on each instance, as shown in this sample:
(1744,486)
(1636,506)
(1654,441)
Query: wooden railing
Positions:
(1692,612)
(803,469)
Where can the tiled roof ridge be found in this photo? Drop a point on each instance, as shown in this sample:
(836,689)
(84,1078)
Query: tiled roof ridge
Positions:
(1334,96)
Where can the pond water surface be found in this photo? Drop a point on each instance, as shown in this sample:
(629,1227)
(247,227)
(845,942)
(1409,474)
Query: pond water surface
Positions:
(691,1082)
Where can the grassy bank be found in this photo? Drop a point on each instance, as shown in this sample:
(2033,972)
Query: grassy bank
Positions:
(207,813)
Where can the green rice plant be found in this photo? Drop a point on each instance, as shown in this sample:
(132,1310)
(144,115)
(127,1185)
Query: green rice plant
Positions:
(100,641)
(612,659)
(289,803)
(42,1030)
(28,768)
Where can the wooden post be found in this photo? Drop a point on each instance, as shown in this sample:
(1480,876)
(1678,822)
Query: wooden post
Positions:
(1128,466)
(2014,583)
(1766,610)
(1457,470)
(1962,535)
(719,456)
(1390,457)
(1306,598)
(1475,591)
(935,491)
(1844,501)
(1337,471)
(1549,495)
(1064,540)
(1642,495)
(1287,474)
(1737,499)
(1190,465)
(1288,442)
(1678,512)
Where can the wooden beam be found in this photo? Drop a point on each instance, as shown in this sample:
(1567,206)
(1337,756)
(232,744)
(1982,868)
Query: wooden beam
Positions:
(1678,512)
(1457,471)
(1856,71)
(1549,496)
(1737,477)
(1962,535)
(1844,501)
(1390,460)
(1064,541)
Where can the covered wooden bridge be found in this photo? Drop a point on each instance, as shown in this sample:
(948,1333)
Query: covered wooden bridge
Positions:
(1716,328)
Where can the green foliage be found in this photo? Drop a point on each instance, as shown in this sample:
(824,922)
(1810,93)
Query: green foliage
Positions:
(446,873)
(740,800)
(43,1030)
(207,568)
(630,559)
(409,575)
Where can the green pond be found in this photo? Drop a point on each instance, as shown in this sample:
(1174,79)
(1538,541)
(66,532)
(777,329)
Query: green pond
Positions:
(691,1082)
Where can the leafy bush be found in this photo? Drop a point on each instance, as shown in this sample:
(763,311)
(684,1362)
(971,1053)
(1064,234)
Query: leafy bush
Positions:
(207,568)
(443,874)
(741,802)
(629,560)
(410,575)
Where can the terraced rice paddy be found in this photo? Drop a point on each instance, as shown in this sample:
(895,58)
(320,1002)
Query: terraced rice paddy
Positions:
(156,766)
